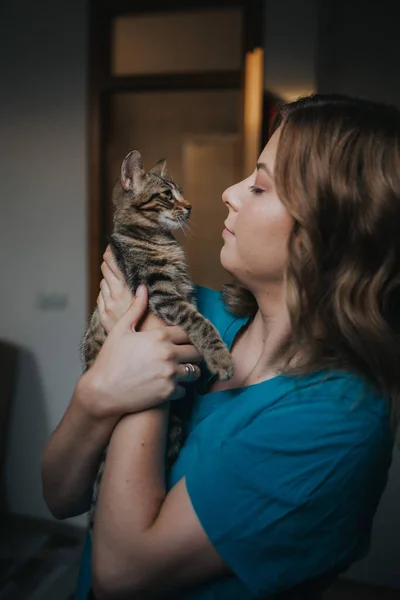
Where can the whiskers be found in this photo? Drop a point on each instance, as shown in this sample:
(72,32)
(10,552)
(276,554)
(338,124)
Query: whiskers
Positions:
(185,226)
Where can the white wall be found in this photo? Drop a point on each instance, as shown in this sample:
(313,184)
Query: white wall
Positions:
(42,221)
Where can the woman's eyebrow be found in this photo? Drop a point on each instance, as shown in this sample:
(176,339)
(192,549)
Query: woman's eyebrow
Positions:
(263,167)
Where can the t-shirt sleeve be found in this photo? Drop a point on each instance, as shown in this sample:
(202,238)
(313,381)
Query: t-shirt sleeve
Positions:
(210,305)
(291,495)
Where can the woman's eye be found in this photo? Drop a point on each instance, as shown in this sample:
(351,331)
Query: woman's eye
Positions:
(256,190)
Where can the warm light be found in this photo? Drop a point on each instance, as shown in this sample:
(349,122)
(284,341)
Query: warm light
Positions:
(253,102)
(293,94)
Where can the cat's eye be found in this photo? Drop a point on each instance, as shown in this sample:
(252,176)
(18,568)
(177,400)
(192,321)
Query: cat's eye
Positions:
(167,194)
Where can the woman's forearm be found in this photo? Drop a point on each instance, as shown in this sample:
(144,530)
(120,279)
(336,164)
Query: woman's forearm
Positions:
(132,493)
(71,457)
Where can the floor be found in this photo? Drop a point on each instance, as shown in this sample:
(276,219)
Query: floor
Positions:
(344,590)
(39,560)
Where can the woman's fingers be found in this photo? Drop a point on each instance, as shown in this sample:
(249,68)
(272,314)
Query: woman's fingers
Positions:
(110,276)
(177,335)
(105,290)
(186,353)
(105,320)
(187,373)
(100,303)
(183,350)
(179,392)
(112,263)
(136,310)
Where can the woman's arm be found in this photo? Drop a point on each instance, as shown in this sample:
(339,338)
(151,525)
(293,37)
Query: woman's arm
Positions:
(149,544)
(146,543)
(133,371)
(107,391)
(72,454)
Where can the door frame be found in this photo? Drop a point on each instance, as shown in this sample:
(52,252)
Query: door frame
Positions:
(102,84)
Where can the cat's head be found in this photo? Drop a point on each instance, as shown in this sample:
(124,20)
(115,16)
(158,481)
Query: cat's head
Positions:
(148,199)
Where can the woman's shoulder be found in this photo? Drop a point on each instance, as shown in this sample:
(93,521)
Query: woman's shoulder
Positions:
(324,424)
(301,463)
(340,389)
(293,458)
(341,404)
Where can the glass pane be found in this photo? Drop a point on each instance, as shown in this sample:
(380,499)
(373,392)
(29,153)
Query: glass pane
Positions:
(211,164)
(197,132)
(178,42)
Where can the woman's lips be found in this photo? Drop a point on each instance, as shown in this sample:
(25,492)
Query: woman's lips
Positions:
(227,230)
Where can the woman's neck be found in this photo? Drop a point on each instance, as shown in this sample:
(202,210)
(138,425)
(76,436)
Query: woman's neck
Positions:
(255,348)
(261,341)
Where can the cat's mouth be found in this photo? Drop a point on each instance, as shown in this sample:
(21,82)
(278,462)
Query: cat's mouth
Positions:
(174,222)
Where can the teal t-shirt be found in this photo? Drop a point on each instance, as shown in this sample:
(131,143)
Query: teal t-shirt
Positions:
(285,477)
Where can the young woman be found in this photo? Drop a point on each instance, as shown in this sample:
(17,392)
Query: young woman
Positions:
(277,484)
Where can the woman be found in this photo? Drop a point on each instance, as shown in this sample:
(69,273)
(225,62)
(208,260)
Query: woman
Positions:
(277,484)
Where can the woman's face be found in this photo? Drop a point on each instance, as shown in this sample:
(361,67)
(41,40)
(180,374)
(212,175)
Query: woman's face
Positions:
(257,227)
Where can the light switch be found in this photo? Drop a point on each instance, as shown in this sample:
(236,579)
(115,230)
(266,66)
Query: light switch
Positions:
(51,300)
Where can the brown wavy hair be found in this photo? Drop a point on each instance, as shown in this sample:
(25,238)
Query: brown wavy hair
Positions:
(337,172)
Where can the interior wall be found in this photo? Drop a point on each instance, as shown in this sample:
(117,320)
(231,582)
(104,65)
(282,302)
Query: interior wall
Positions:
(42,223)
(359,50)
(177,42)
(219,157)
(290,47)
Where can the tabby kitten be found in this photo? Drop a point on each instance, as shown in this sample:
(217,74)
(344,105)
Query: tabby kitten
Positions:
(148,207)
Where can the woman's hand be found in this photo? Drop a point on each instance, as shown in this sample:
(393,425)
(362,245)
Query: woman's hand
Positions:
(115,297)
(137,370)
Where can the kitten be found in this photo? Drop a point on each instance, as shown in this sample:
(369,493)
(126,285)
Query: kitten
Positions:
(148,207)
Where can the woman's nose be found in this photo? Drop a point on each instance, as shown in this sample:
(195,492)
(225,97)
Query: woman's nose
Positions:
(230,197)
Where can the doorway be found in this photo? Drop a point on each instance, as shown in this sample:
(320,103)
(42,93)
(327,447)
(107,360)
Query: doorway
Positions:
(170,83)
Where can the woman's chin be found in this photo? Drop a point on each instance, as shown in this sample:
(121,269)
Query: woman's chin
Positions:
(225,261)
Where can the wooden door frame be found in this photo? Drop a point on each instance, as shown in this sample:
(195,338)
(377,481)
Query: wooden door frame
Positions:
(102,84)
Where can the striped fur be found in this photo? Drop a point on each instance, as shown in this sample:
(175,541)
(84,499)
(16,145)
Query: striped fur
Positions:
(148,207)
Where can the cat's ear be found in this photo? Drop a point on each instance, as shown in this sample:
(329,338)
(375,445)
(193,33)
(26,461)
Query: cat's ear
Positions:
(160,168)
(132,172)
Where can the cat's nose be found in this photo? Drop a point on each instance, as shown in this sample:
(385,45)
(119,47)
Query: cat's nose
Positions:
(188,210)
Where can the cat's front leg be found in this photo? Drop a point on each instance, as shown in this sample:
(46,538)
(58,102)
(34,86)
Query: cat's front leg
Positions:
(200,330)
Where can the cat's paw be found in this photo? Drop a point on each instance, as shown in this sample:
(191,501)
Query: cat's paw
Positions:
(220,363)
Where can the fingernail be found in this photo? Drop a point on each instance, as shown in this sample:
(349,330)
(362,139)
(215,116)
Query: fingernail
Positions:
(140,290)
